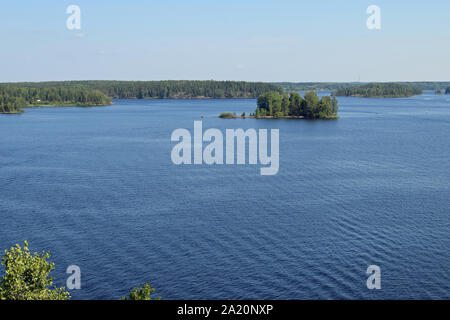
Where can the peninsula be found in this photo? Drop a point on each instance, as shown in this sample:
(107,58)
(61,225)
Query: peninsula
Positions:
(13,99)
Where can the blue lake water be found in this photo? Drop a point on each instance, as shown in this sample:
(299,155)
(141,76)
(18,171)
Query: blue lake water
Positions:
(96,187)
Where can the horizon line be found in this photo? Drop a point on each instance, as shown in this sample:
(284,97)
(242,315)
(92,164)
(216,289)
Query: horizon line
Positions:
(297,82)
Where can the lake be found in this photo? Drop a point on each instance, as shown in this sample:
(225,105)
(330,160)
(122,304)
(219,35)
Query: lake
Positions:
(97,187)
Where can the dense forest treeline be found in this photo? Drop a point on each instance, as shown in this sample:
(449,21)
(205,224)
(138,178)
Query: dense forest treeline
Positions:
(171,89)
(14,96)
(334,86)
(13,99)
(428,85)
(276,105)
(314,86)
(380,90)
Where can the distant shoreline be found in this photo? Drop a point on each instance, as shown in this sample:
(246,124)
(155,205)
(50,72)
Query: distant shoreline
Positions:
(67,105)
(380,97)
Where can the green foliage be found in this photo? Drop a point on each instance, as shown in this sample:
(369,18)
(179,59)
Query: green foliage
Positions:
(27,276)
(12,99)
(243,115)
(141,294)
(227,115)
(296,105)
(164,89)
(380,90)
(273,104)
(9,104)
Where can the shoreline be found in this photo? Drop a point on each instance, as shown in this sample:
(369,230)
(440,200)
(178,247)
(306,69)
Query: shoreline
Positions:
(13,112)
(377,97)
(278,118)
(67,105)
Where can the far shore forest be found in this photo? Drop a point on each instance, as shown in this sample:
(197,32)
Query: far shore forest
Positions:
(273,100)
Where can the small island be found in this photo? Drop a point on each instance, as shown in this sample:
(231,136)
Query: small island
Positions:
(273,105)
(13,99)
(380,90)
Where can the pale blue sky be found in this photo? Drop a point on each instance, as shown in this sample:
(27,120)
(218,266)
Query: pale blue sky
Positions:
(253,40)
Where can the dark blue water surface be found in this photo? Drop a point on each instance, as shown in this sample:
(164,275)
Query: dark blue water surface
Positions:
(96,187)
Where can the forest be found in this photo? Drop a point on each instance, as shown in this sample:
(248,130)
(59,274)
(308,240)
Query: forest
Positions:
(276,105)
(171,89)
(314,86)
(334,86)
(14,96)
(13,99)
(380,90)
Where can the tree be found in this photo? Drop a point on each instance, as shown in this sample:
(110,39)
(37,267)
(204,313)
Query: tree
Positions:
(285,105)
(141,294)
(311,105)
(295,104)
(335,105)
(325,107)
(27,276)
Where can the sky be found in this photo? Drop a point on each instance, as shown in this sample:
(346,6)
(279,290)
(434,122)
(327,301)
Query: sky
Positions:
(264,40)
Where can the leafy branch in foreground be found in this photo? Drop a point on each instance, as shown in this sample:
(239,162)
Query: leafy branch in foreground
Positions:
(27,276)
(141,294)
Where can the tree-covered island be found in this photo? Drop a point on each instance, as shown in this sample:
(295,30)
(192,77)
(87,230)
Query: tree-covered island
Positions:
(273,105)
(380,90)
